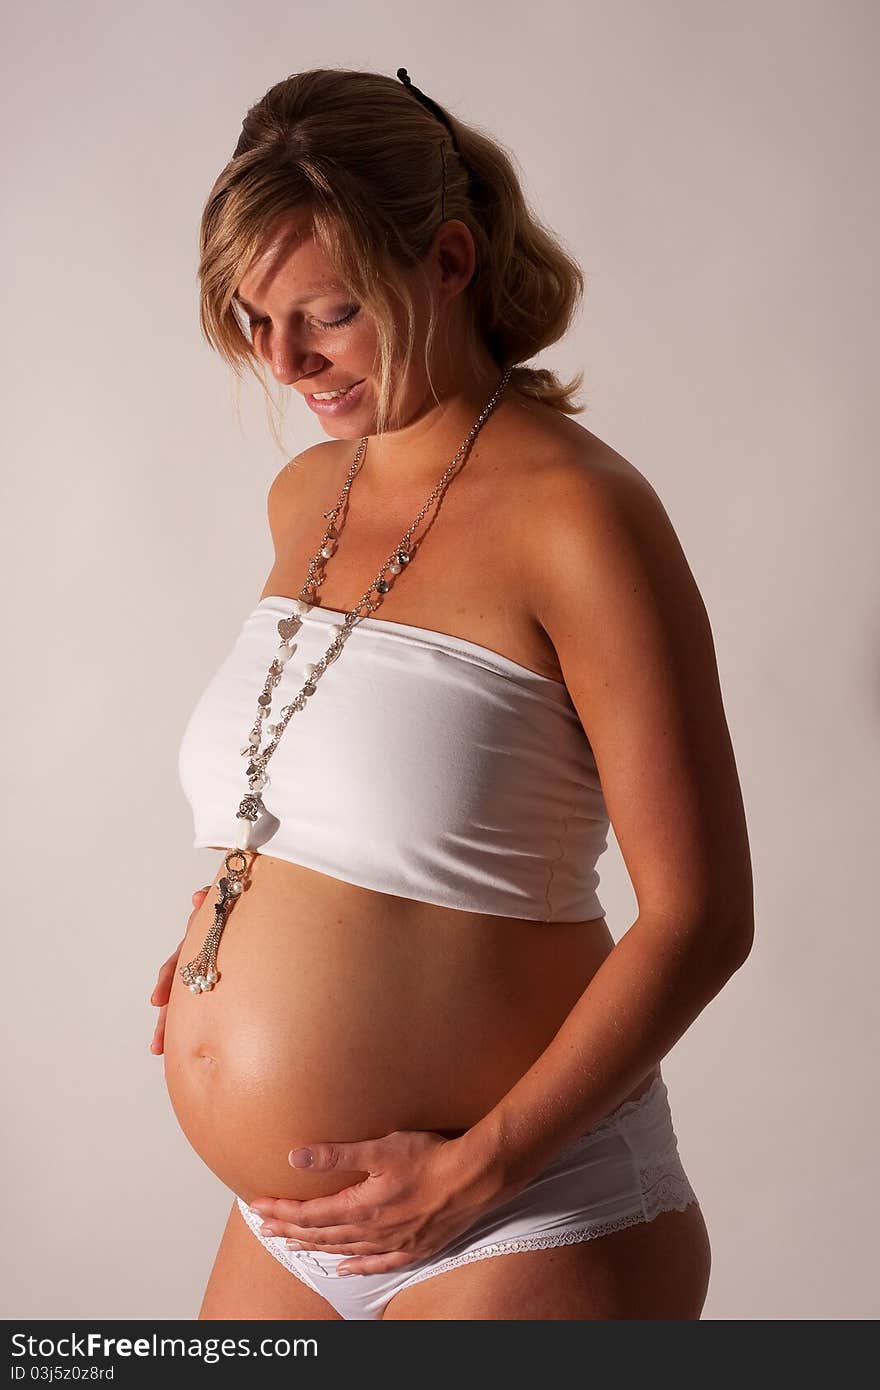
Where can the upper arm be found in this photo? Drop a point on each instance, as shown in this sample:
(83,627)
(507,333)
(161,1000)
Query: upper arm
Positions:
(621,606)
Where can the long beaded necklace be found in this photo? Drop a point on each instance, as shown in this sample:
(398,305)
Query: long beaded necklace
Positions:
(201,974)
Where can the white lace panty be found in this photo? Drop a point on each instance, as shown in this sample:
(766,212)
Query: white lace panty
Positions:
(624,1170)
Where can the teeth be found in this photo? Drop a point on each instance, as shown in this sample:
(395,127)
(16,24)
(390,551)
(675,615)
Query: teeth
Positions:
(329,395)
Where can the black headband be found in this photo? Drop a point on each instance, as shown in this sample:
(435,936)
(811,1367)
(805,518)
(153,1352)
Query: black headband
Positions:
(430,105)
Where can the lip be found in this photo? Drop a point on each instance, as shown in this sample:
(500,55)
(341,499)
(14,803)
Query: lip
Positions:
(342,403)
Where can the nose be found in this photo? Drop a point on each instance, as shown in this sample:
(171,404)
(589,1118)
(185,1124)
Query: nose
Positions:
(288,370)
(289,362)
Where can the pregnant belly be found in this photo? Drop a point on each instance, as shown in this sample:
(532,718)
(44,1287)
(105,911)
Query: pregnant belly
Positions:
(344,1014)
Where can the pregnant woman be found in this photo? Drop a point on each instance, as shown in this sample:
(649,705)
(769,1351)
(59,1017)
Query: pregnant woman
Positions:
(398,1028)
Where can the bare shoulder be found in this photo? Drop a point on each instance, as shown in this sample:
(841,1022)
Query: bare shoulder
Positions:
(568,462)
(294,483)
(552,458)
(614,592)
(573,496)
(597,519)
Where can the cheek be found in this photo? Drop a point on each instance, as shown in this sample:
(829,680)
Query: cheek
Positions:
(360,348)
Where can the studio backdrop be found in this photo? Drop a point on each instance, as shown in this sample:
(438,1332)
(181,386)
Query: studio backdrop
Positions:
(710,167)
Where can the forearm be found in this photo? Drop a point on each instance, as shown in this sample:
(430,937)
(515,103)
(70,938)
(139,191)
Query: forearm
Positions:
(645,995)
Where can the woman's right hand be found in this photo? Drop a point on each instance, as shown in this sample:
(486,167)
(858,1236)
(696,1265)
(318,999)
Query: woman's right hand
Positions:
(162,991)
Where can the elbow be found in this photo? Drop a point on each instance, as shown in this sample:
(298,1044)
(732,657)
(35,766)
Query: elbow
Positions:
(738,942)
(730,920)
(742,949)
(720,938)
(724,939)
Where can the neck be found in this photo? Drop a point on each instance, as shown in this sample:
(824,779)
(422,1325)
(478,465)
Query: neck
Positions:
(417,454)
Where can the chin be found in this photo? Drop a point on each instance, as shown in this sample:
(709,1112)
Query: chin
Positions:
(348,431)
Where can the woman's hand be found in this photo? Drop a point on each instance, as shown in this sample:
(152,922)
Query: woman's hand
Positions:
(420,1193)
(162,991)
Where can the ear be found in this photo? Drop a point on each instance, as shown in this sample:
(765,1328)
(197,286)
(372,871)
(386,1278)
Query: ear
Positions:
(453,258)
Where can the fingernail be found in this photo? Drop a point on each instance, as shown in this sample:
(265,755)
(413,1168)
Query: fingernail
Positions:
(300,1158)
(345,1271)
(293,1244)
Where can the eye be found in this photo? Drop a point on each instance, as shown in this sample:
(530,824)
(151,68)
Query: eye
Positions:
(322,323)
(337,323)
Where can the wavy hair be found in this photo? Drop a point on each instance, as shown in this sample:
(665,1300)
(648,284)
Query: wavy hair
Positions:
(378,173)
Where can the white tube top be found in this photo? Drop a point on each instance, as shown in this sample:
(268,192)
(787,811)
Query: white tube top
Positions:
(425,765)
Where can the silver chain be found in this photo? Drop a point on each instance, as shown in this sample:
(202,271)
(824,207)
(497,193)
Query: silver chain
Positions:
(201,974)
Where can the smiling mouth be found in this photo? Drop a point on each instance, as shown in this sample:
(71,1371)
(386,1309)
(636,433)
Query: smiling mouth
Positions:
(334,390)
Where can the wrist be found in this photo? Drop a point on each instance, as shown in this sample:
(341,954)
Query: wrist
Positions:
(478,1166)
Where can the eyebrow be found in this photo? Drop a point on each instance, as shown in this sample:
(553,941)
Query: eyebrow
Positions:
(311,292)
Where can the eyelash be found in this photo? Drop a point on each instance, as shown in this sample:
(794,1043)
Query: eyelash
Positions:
(322,323)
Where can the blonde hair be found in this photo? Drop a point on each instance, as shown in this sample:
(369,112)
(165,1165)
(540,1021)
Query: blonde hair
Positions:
(378,173)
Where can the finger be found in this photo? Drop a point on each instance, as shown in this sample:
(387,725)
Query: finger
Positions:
(324,1236)
(334,1210)
(350,1247)
(157,1044)
(377,1264)
(162,987)
(364,1156)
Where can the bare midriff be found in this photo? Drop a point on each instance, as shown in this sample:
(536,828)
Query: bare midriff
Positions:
(342,1013)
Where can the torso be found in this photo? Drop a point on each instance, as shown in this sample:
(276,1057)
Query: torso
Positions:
(345,1013)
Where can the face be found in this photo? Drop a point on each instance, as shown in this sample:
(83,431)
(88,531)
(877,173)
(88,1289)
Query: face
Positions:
(315,339)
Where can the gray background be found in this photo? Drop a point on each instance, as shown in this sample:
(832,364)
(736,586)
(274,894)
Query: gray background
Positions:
(709,165)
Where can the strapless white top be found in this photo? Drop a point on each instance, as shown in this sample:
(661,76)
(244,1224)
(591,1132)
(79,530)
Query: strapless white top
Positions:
(425,765)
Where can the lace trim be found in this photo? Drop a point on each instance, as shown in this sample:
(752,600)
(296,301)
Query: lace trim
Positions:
(670,1192)
(673,1194)
(291,1259)
(664,1186)
(655,1098)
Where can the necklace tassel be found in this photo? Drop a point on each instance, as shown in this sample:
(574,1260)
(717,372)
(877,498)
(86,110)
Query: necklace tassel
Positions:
(201,974)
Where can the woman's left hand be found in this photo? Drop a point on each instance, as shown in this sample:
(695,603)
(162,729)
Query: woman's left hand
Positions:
(419,1194)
